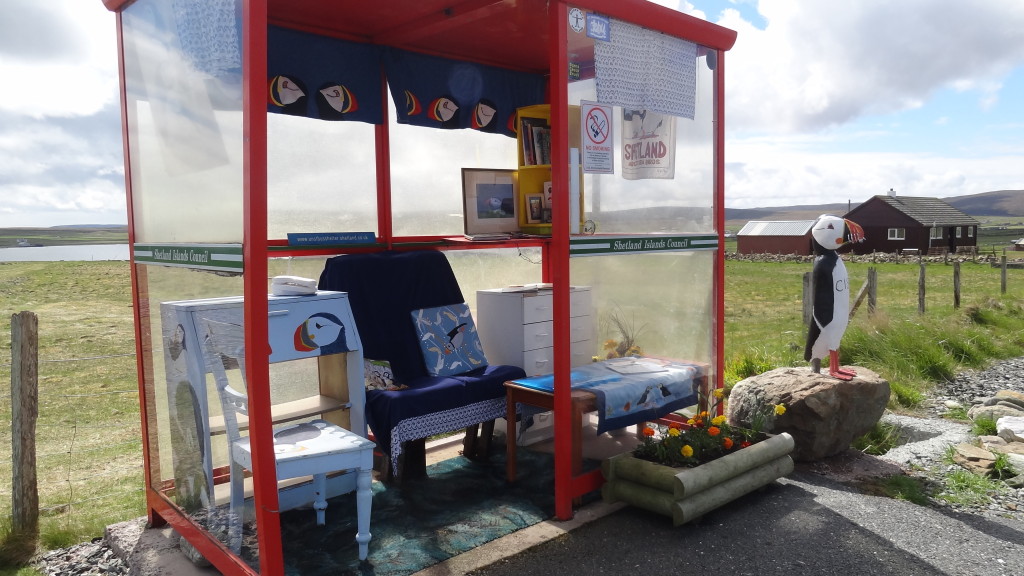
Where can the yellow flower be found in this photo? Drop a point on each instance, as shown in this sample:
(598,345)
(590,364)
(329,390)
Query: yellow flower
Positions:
(691,421)
(610,344)
(718,420)
(780,409)
(674,432)
(718,393)
(686,451)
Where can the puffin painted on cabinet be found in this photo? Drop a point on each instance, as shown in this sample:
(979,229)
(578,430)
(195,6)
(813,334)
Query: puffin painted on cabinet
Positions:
(831,287)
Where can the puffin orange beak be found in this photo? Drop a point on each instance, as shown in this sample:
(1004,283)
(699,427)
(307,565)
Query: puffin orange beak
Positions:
(853,231)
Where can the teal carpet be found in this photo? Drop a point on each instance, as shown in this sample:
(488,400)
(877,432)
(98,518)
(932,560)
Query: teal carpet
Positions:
(459,506)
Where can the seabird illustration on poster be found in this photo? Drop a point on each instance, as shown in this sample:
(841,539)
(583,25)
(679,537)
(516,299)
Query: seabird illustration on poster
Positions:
(648,145)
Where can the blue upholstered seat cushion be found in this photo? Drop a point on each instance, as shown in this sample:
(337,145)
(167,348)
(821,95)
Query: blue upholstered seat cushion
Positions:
(448,339)
(434,394)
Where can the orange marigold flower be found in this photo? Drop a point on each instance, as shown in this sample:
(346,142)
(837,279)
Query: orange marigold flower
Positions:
(727,443)
(714,431)
(744,444)
(648,431)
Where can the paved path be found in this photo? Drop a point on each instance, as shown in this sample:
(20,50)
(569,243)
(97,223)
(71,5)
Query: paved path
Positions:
(805,524)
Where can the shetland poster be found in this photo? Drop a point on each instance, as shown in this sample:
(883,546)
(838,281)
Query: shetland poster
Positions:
(648,145)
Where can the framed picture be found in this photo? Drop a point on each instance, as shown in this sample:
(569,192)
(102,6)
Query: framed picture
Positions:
(534,208)
(489,201)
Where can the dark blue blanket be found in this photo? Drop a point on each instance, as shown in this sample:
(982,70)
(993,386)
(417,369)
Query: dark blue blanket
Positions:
(384,288)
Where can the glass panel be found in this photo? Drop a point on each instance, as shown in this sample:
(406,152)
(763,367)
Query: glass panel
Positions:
(321,176)
(426,174)
(651,194)
(176,396)
(663,175)
(670,314)
(183,82)
(474,269)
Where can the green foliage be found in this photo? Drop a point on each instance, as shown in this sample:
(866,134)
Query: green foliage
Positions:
(956,413)
(984,427)
(746,364)
(883,437)
(1002,469)
(964,488)
(905,488)
(905,395)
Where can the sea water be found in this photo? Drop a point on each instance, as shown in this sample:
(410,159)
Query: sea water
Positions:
(77,253)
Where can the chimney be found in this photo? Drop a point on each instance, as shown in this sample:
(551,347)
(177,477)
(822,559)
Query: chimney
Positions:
(892,193)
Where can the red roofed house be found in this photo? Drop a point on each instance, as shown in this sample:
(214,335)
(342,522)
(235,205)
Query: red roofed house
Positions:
(900,224)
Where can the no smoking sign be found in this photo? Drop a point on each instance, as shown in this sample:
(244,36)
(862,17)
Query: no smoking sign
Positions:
(597,138)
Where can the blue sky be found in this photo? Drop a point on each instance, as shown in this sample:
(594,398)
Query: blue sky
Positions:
(825,102)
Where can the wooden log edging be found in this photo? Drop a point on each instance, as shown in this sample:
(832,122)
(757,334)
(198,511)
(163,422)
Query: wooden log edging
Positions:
(688,493)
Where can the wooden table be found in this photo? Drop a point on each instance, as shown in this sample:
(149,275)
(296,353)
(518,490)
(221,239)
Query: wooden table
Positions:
(582,402)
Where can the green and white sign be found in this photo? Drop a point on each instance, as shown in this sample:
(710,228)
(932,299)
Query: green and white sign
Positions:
(599,245)
(219,257)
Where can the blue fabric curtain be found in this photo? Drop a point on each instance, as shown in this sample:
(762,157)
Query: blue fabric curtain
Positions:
(441,93)
(321,77)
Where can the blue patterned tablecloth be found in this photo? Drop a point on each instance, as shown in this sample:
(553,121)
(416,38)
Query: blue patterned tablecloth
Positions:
(630,390)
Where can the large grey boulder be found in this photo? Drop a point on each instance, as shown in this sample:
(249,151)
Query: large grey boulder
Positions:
(823,414)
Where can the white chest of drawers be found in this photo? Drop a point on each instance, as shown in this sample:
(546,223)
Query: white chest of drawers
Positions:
(516,328)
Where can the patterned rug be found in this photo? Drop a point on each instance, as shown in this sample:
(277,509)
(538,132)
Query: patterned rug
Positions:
(459,506)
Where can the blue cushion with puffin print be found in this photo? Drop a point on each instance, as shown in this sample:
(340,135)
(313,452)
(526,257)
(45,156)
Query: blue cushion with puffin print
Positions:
(448,339)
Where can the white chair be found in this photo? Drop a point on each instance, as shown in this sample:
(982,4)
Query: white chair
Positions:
(313,448)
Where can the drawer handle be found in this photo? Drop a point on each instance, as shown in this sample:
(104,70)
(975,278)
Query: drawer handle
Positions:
(542,334)
(541,362)
(277,313)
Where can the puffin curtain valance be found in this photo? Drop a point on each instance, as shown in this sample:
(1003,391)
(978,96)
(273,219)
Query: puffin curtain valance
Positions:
(331,79)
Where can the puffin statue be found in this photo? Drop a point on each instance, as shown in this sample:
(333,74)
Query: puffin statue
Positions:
(831,286)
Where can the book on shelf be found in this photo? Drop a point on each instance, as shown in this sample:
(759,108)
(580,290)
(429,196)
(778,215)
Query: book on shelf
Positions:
(532,133)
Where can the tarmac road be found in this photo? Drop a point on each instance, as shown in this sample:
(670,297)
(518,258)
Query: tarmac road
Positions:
(804,524)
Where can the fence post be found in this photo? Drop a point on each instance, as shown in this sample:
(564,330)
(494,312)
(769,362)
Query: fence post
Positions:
(872,289)
(808,299)
(1002,284)
(920,290)
(956,285)
(24,413)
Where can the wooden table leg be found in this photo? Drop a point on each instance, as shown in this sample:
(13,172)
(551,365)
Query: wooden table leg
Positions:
(510,436)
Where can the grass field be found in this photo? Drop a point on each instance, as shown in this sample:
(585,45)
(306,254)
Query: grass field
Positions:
(89,433)
(72,235)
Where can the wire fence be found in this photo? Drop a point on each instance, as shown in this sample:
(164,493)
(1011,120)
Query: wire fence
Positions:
(83,444)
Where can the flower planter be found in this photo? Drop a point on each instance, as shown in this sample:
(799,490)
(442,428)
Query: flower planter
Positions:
(685,494)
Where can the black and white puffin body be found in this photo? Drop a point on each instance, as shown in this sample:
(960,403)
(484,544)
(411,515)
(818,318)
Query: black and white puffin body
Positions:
(831,309)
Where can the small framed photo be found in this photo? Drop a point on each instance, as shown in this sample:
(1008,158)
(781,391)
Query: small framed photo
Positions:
(534,208)
(490,201)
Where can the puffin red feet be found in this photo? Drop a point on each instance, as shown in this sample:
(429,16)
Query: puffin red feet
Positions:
(835,371)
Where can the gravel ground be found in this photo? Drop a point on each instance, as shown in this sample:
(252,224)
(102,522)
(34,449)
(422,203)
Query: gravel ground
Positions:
(923,456)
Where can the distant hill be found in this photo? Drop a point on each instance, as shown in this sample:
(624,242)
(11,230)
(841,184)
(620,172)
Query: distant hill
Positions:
(1003,203)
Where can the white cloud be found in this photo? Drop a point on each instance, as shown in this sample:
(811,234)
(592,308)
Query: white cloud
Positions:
(820,64)
(58,58)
